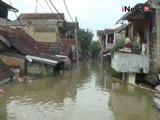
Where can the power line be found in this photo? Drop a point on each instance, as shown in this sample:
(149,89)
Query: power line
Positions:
(41,5)
(49,6)
(51,11)
(17,17)
(68,10)
(55,8)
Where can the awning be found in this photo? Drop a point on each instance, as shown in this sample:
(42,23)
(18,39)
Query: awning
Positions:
(31,58)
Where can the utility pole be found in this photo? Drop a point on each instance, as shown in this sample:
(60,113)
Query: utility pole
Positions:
(76,38)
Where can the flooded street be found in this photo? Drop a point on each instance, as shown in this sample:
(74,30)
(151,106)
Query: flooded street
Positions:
(87,92)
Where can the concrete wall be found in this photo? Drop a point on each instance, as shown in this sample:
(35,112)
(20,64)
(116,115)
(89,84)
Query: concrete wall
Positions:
(154,47)
(39,69)
(109,45)
(119,36)
(43,35)
(3,21)
(158,36)
(130,63)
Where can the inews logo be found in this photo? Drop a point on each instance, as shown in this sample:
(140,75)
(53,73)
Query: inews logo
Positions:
(135,9)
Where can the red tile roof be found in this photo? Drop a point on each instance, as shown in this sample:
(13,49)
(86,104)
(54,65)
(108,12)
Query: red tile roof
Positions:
(5,72)
(29,16)
(25,44)
(20,40)
(53,48)
(68,41)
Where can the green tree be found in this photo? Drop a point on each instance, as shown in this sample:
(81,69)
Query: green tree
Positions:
(85,38)
(95,49)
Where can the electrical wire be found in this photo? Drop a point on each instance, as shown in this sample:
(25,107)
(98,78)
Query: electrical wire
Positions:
(41,6)
(55,8)
(49,6)
(17,17)
(51,11)
(68,10)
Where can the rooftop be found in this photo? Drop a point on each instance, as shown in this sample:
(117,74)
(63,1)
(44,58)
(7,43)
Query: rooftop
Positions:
(31,16)
(53,48)
(5,5)
(19,40)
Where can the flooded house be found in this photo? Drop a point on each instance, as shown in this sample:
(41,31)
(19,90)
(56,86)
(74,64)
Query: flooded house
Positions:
(5,72)
(106,38)
(21,52)
(48,28)
(143,54)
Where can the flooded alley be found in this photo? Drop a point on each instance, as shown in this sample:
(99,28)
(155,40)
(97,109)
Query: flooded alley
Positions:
(86,92)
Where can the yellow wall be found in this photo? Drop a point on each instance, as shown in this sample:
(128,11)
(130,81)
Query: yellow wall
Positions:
(45,36)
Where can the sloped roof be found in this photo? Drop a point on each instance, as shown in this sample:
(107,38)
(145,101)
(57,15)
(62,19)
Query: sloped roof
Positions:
(19,39)
(53,48)
(5,72)
(104,32)
(8,6)
(68,41)
(129,15)
(31,16)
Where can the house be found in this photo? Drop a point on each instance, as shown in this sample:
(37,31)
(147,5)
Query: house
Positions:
(138,59)
(21,51)
(146,58)
(106,38)
(121,32)
(47,27)
(43,27)
(5,73)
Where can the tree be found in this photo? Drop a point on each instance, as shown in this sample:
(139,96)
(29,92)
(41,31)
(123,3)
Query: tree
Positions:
(95,49)
(85,38)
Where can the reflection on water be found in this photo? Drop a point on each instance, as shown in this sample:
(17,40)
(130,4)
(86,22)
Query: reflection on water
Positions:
(87,92)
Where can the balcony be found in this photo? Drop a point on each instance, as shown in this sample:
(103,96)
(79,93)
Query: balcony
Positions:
(130,62)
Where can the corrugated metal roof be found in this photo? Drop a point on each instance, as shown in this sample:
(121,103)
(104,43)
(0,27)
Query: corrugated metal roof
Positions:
(5,72)
(28,16)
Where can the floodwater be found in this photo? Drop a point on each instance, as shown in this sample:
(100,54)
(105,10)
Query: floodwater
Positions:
(87,92)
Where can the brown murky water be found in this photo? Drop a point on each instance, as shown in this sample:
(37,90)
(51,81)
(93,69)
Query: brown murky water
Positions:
(84,93)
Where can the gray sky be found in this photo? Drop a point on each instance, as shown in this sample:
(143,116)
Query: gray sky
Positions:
(92,14)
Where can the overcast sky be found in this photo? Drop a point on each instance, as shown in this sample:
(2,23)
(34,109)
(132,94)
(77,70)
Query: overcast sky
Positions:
(92,14)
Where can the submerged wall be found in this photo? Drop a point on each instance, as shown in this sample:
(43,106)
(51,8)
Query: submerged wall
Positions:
(130,63)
